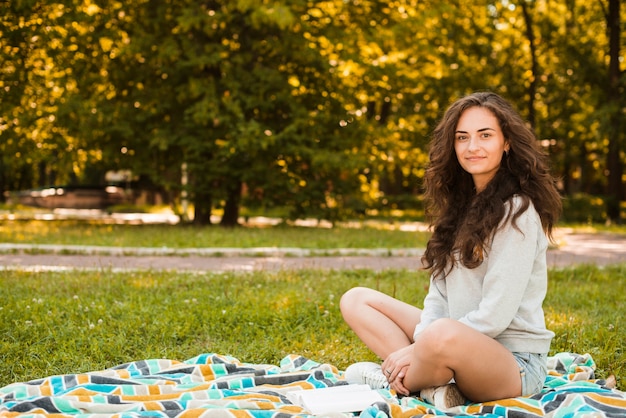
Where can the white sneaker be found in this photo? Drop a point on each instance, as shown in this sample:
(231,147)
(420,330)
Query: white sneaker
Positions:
(443,397)
(367,373)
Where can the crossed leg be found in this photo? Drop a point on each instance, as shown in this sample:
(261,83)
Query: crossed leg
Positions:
(482,368)
(383,323)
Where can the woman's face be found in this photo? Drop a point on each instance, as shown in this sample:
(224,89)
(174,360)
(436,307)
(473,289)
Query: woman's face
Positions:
(479,144)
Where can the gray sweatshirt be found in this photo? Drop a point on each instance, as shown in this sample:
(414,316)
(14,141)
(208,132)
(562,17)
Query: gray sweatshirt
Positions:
(502,298)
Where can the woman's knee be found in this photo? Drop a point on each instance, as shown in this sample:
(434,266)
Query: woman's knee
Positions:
(352,299)
(441,338)
(355,301)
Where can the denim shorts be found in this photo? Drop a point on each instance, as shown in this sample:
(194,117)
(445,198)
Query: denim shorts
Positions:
(532,370)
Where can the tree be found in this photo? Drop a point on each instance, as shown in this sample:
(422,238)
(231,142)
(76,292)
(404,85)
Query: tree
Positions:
(238,91)
(323,107)
(32,147)
(567,89)
(615,105)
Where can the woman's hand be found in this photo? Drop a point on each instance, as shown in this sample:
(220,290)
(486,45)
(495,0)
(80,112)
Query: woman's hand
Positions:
(395,367)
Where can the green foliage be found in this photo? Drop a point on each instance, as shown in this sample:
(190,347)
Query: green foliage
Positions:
(590,210)
(322,107)
(69,322)
(584,209)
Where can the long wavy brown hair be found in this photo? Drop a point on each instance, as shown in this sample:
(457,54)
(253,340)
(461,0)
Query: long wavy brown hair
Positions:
(464,221)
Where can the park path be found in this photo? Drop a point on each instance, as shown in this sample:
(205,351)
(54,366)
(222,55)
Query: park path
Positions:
(574,248)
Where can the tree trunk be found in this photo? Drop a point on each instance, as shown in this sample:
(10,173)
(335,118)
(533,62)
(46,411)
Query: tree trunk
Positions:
(534,68)
(231,209)
(614,164)
(3,182)
(202,208)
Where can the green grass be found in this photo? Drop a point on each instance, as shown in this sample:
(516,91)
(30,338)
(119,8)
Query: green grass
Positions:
(182,236)
(596,228)
(379,234)
(77,321)
(585,308)
(73,321)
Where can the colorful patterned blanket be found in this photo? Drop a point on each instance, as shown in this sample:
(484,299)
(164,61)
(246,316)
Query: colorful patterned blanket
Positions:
(212,385)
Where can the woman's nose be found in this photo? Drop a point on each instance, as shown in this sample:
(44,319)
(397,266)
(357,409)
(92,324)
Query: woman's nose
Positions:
(473,143)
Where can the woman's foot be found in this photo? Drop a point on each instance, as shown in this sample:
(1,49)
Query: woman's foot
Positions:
(443,397)
(366,373)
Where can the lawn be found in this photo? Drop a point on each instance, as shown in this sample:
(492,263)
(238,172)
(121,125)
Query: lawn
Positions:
(73,321)
(77,232)
(76,321)
(368,235)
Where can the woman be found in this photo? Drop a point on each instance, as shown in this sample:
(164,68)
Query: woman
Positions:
(481,334)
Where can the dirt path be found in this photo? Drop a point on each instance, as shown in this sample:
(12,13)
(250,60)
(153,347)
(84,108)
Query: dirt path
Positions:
(599,249)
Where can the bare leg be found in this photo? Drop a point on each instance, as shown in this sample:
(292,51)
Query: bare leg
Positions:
(483,369)
(383,323)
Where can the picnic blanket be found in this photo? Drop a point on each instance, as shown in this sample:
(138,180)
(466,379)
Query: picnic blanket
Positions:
(213,385)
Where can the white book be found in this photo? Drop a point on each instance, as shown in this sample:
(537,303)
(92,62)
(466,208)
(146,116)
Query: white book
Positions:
(344,398)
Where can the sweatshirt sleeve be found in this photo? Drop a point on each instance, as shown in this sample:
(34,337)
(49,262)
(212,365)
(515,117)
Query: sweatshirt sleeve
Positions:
(435,306)
(510,261)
